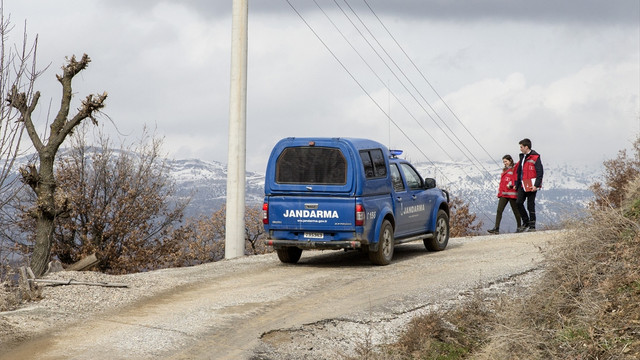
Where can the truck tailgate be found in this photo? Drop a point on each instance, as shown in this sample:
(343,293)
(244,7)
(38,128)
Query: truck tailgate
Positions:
(311,213)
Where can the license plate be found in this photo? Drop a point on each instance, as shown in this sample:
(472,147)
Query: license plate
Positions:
(314,235)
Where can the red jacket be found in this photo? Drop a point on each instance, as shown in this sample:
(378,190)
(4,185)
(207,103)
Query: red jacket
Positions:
(507,188)
(530,168)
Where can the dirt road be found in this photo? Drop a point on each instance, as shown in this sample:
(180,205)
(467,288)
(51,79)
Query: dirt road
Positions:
(258,308)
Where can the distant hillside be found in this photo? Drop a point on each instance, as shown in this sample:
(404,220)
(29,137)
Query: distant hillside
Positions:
(206,182)
(565,189)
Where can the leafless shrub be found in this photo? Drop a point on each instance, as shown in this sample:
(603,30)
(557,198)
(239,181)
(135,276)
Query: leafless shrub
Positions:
(254,231)
(117,205)
(203,239)
(618,173)
(463,222)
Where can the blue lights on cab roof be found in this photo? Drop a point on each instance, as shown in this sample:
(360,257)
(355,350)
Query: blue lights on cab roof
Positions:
(395,153)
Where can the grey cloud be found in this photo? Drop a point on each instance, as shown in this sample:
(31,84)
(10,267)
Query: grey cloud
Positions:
(581,11)
(547,11)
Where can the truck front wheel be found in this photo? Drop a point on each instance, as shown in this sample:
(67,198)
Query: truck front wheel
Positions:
(385,245)
(289,255)
(441,235)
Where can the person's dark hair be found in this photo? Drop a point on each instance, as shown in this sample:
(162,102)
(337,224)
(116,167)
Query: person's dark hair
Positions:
(508,158)
(525,142)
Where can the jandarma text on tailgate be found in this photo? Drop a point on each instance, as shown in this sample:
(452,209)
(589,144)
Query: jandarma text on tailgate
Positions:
(321,214)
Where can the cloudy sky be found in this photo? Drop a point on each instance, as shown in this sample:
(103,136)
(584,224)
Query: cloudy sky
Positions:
(443,80)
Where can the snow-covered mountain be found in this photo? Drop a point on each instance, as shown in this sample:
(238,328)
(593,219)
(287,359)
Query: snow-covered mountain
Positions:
(205,183)
(565,190)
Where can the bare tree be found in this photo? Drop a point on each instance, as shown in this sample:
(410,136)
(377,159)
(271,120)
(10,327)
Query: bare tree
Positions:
(120,205)
(41,179)
(17,70)
(13,71)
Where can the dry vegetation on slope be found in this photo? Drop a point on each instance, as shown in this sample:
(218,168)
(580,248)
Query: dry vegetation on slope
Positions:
(584,307)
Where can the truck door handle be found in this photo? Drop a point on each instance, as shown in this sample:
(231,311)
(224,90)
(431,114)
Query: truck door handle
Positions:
(399,198)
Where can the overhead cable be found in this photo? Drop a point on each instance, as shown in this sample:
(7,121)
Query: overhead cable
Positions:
(428,82)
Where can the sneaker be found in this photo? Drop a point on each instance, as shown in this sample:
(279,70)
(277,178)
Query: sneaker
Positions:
(531,229)
(522,228)
(494,231)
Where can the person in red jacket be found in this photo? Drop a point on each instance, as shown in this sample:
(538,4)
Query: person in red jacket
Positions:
(506,193)
(530,171)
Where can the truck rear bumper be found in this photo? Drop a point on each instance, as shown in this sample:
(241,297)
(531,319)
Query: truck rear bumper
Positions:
(314,244)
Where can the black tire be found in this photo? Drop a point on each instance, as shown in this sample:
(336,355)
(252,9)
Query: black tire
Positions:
(289,255)
(440,237)
(384,254)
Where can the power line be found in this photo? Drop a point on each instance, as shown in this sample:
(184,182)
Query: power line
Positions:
(377,76)
(356,81)
(419,93)
(427,81)
(483,173)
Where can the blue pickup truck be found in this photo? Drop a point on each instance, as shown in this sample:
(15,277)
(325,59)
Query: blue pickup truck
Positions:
(345,193)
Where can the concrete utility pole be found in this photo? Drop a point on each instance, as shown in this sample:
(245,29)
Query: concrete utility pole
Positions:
(236,164)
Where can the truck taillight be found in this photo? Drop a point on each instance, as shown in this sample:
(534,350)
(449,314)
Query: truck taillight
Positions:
(265,213)
(359,215)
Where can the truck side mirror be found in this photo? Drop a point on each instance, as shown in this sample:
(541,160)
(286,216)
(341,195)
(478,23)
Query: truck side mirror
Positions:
(429,183)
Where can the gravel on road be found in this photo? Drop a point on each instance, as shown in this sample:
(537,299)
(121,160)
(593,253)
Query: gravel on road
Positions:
(258,308)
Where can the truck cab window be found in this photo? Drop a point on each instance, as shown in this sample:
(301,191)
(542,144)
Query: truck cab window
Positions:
(414,181)
(396,179)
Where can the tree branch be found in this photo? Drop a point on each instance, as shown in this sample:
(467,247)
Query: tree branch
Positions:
(71,69)
(30,176)
(89,107)
(18,100)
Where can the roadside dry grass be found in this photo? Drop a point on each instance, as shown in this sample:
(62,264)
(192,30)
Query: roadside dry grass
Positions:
(10,297)
(585,306)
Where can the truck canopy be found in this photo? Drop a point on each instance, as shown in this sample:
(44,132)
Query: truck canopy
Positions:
(327,166)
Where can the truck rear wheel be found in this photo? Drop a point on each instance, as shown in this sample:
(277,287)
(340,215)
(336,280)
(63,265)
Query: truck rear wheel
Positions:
(289,255)
(440,237)
(384,254)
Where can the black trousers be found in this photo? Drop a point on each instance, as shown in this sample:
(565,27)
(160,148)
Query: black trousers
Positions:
(502,203)
(530,196)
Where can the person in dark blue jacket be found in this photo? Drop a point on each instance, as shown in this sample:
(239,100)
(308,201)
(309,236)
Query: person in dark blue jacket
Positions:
(529,180)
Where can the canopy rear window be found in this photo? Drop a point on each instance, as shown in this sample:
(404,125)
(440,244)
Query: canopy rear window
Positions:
(373,162)
(311,165)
